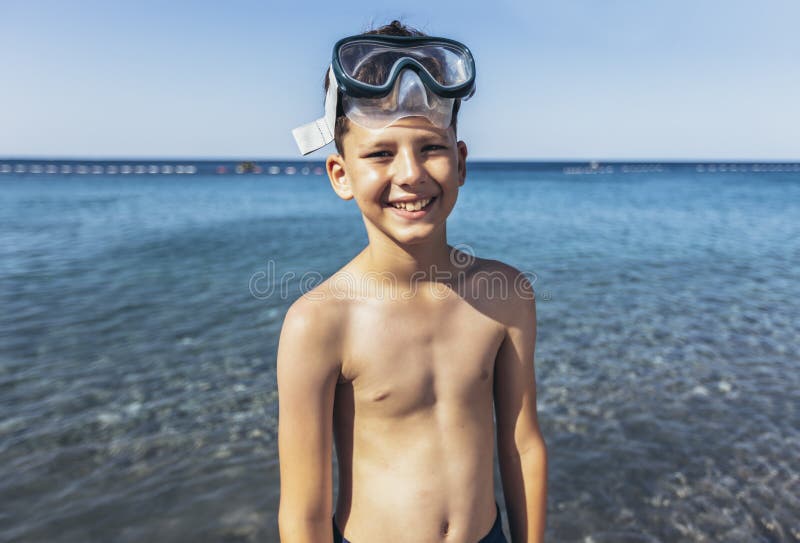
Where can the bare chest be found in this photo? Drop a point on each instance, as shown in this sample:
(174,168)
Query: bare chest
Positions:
(401,357)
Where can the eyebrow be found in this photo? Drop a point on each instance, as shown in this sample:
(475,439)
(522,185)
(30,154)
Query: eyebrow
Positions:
(383,143)
(375,145)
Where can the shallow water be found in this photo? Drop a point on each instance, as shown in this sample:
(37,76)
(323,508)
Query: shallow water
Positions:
(137,367)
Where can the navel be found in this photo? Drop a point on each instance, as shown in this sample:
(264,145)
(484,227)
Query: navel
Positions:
(445,528)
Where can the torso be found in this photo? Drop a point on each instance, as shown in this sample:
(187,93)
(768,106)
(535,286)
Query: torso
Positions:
(413,417)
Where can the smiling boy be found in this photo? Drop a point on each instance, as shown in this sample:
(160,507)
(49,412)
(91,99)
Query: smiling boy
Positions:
(400,356)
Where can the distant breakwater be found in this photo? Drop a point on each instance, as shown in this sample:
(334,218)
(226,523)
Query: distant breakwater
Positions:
(36,167)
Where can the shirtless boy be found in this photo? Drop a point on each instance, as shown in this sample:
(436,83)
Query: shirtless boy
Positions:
(400,356)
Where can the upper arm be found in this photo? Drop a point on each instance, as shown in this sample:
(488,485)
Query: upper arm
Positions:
(515,380)
(307,372)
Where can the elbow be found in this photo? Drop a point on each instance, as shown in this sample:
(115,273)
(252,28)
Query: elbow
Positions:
(541,449)
(532,453)
(543,446)
(304,531)
(299,524)
(536,449)
(533,445)
(533,461)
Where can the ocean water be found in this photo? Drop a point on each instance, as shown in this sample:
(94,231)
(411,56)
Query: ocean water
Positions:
(140,319)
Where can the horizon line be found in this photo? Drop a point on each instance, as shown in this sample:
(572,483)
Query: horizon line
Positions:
(580,160)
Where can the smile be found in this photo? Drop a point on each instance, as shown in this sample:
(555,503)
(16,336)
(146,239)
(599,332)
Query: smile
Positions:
(415,205)
(414,209)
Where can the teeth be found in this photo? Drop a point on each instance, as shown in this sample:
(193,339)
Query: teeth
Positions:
(412,206)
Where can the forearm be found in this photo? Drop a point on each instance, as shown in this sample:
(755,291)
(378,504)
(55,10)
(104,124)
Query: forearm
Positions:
(525,489)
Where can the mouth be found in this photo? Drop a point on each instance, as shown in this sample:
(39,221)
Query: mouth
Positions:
(413,206)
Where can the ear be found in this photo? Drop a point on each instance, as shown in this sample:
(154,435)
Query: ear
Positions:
(338,176)
(462,162)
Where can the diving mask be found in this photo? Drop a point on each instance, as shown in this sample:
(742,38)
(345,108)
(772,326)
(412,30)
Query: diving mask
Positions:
(385,78)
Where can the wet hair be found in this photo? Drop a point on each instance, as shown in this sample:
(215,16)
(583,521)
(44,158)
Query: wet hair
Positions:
(395,28)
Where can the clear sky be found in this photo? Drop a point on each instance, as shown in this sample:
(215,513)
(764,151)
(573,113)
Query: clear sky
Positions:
(561,79)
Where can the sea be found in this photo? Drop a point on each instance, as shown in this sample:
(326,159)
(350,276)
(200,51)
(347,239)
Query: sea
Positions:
(142,302)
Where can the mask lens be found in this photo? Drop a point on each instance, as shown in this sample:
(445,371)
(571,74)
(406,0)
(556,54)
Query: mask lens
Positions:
(444,63)
(372,63)
(369,63)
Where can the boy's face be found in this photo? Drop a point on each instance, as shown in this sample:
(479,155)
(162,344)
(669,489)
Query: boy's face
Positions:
(411,159)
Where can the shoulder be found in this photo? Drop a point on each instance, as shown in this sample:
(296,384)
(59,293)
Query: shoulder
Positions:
(508,290)
(319,314)
(517,286)
(309,354)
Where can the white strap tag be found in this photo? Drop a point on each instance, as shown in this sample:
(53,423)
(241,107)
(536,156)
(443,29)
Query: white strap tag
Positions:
(319,133)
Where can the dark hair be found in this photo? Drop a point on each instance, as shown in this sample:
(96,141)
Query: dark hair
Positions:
(395,28)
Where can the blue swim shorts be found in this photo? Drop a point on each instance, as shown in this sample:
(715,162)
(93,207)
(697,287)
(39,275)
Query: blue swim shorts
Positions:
(495,534)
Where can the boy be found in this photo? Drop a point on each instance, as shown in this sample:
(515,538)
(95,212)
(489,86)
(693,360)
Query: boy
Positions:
(401,353)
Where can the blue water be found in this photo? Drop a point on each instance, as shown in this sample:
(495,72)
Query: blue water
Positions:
(137,360)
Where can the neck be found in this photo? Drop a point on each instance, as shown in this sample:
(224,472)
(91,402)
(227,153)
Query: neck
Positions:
(408,263)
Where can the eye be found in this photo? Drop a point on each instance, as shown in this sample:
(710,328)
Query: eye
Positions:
(433,147)
(379,154)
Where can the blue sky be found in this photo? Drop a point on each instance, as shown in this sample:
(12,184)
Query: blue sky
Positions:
(566,79)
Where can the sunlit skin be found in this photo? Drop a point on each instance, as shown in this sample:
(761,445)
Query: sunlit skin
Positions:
(404,380)
(409,158)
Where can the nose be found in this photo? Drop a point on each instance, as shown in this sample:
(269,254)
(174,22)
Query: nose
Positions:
(408,169)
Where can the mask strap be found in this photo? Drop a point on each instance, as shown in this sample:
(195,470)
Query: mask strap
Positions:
(319,133)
